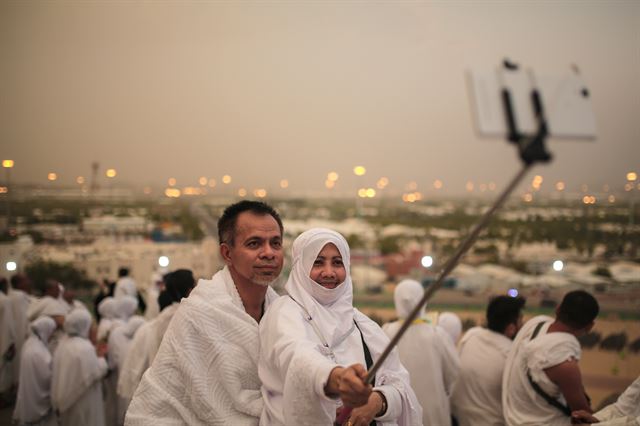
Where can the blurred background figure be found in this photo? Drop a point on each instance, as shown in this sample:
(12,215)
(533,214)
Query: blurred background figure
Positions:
(428,353)
(451,323)
(76,390)
(33,403)
(7,345)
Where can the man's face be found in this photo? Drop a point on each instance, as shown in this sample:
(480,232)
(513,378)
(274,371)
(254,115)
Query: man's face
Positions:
(256,255)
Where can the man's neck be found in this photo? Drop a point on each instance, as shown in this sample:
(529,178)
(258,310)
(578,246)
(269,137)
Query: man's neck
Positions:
(560,327)
(251,294)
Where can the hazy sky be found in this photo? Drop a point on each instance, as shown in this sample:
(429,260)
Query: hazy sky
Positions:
(271,90)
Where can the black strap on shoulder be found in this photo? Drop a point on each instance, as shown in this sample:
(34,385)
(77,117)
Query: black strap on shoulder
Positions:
(367,359)
(551,400)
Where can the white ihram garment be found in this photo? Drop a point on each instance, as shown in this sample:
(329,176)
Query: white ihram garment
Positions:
(308,333)
(7,340)
(125,286)
(33,402)
(206,371)
(625,411)
(19,301)
(76,390)
(520,403)
(477,398)
(427,352)
(142,351)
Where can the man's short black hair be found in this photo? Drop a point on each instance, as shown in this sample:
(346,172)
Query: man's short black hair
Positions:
(502,311)
(578,309)
(123,272)
(227,222)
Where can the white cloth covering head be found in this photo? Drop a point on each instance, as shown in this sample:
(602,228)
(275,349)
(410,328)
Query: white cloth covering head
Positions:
(76,367)
(125,307)
(406,295)
(33,400)
(133,325)
(332,308)
(77,323)
(107,308)
(43,328)
(451,323)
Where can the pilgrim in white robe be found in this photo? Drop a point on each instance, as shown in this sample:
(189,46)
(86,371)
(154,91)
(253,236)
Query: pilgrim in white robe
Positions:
(625,411)
(46,306)
(33,402)
(451,323)
(125,286)
(429,355)
(520,403)
(19,301)
(477,398)
(119,342)
(76,390)
(125,307)
(7,344)
(206,371)
(108,310)
(305,335)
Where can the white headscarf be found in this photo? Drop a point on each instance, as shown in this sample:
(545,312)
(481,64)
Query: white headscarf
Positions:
(107,308)
(75,363)
(125,307)
(331,309)
(33,399)
(43,328)
(406,295)
(451,323)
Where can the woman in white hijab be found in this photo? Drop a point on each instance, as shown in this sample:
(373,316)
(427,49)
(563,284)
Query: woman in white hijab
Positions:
(427,353)
(308,337)
(76,390)
(108,310)
(33,403)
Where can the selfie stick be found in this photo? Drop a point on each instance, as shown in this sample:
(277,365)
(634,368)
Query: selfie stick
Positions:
(532,150)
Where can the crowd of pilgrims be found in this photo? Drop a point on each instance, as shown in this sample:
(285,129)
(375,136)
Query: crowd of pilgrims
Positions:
(62,367)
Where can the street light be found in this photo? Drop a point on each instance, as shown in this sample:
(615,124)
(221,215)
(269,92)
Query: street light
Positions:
(427,261)
(163,261)
(11,266)
(558,265)
(8,165)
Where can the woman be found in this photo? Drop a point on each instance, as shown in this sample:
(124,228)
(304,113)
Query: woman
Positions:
(76,391)
(308,337)
(33,404)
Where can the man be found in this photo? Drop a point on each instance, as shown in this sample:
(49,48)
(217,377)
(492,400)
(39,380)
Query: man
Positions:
(428,353)
(477,398)
(50,302)
(206,371)
(542,382)
(125,286)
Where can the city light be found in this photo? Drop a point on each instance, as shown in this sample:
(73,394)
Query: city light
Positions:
(362,192)
(359,170)
(242,192)
(11,266)
(260,192)
(512,292)
(329,183)
(4,190)
(632,176)
(226,179)
(284,183)
(172,192)
(172,181)
(332,176)
(589,199)
(537,182)
(527,198)
(111,173)
(80,180)
(427,261)
(437,184)
(382,183)
(7,164)
(558,265)
(559,186)
(469,186)
(52,176)
(370,192)
(202,181)
(163,261)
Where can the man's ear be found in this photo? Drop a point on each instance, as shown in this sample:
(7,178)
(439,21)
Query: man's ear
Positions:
(225,252)
(510,330)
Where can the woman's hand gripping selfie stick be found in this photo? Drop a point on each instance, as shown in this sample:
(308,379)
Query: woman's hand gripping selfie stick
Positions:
(532,150)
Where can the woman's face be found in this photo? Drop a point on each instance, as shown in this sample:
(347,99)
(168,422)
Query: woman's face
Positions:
(328,269)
